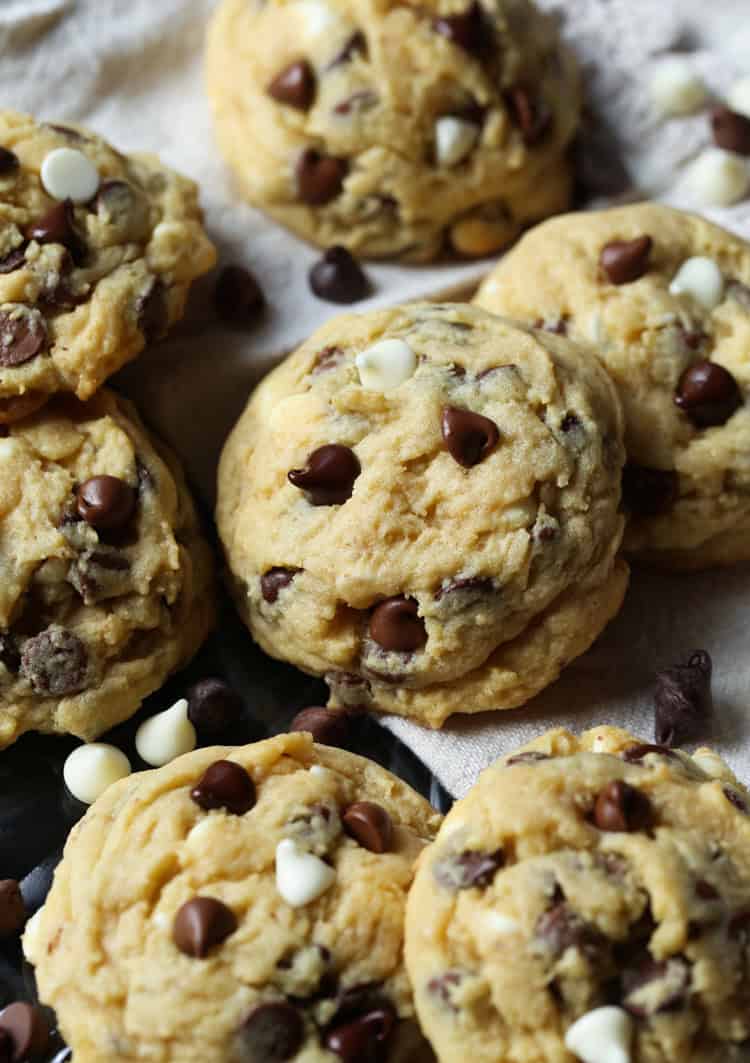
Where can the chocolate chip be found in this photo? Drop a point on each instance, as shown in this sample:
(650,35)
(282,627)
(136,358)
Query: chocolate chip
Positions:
(10,655)
(12,908)
(561,928)
(328,728)
(556,325)
(467,30)
(13,260)
(27,1028)
(531,115)
(238,297)
(443,985)
(740,293)
(624,261)
(705,890)
(272,1033)
(105,502)
(294,86)
(115,200)
(356,45)
(274,580)
(57,226)
(683,701)
(469,869)
(620,807)
(327,359)
(358,101)
(531,756)
(23,334)
(395,625)
(328,478)
(734,799)
(634,754)
(338,277)
(570,422)
(213,705)
(55,662)
(152,312)
(731,130)
(708,394)
(739,927)
(472,583)
(355,1041)
(649,492)
(225,784)
(8,162)
(655,987)
(202,923)
(370,825)
(320,178)
(468,436)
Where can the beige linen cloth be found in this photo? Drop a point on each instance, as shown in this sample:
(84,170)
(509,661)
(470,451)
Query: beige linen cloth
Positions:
(133,71)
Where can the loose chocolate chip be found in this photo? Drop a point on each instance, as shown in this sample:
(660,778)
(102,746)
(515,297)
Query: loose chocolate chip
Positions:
(531,756)
(238,297)
(370,825)
(8,162)
(320,178)
(734,799)
(634,754)
(356,45)
(328,728)
(213,705)
(731,130)
(562,928)
(338,277)
(683,701)
(13,260)
(12,908)
(708,394)
(532,116)
(468,436)
(272,1033)
(620,807)
(655,987)
(152,312)
(294,86)
(469,869)
(355,1041)
(27,1028)
(624,261)
(55,662)
(23,334)
(105,502)
(57,226)
(467,30)
(328,478)
(202,923)
(649,492)
(225,784)
(395,625)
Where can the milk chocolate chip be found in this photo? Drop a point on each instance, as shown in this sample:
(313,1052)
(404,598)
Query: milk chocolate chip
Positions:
(370,825)
(328,478)
(272,1033)
(624,261)
(225,784)
(320,177)
(708,394)
(294,86)
(683,701)
(469,437)
(395,625)
(202,923)
(620,807)
(105,502)
(23,334)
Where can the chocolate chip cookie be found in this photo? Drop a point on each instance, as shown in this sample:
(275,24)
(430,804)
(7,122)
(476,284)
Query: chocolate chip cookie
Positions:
(587,900)
(422,504)
(397,130)
(242,904)
(97,253)
(107,583)
(663,299)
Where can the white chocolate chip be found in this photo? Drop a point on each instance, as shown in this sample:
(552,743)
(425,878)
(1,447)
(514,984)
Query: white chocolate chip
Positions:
(165,736)
(454,139)
(385,365)
(676,89)
(68,174)
(301,877)
(89,770)
(319,770)
(701,279)
(601,1036)
(738,97)
(497,923)
(716,179)
(711,763)
(317,18)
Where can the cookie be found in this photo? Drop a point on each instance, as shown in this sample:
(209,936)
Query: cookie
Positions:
(587,900)
(663,299)
(395,130)
(242,905)
(97,253)
(422,504)
(107,582)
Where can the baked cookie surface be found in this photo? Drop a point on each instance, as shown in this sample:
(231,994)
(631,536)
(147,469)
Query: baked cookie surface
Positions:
(396,130)
(588,899)
(302,856)
(107,583)
(663,299)
(97,253)
(421,504)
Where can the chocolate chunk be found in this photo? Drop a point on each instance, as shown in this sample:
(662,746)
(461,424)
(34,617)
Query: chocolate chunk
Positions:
(562,928)
(357,1041)
(27,1029)
(105,502)
(225,784)
(469,869)
(356,45)
(734,799)
(320,178)
(202,923)
(624,261)
(649,492)
(275,580)
(338,278)
(8,162)
(634,754)
(13,260)
(23,334)
(683,701)
(531,115)
(731,130)
(12,908)
(57,226)
(238,297)
(55,662)
(370,825)
(620,807)
(708,394)
(395,625)
(468,30)
(272,1033)
(328,478)
(152,311)
(655,987)
(294,86)
(328,728)
(213,705)
(531,756)
(468,436)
